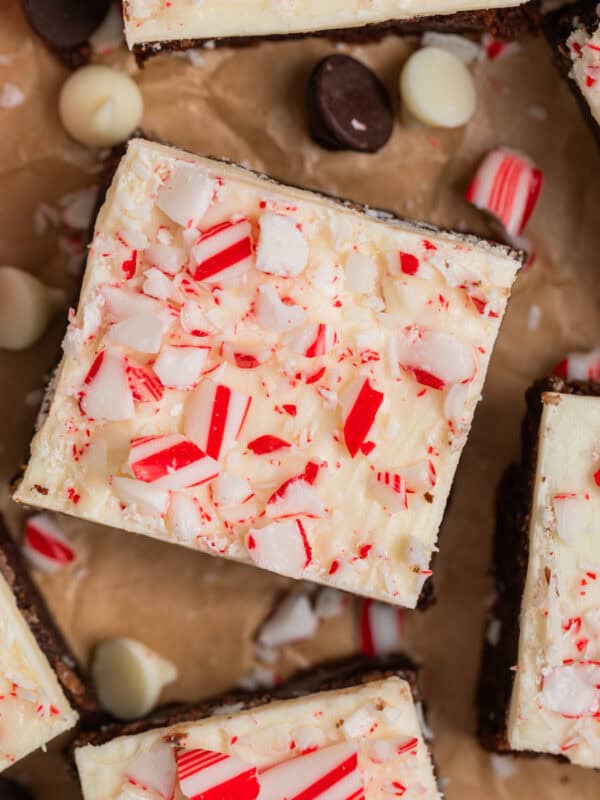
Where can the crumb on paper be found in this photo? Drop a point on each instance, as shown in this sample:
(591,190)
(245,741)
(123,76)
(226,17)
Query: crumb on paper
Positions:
(534,317)
(11,96)
(503,766)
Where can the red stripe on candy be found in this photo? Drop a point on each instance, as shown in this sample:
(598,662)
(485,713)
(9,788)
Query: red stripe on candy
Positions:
(218,421)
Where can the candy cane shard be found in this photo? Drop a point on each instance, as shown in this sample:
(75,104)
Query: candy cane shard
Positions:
(360,404)
(573,690)
(181,366)
(186,194)
(314,340)
(214,417)
(281,546)
(170,462)
(267,444)
(154,770)
(507,185)
(141,332)
(45,544)
(106,393)
(389,488)
(381,628)
(223,252)
(436,359)
(328,774)
(282,248)
(144,383)
(207,775)
(140,495)
(580,367)
(273,314)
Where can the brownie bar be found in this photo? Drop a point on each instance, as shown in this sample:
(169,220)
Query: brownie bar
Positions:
(510,562)
(509,23)
(49,638)
(558,27)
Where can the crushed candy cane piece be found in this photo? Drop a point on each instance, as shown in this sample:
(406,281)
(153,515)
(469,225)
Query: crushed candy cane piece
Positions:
(208,775)
(223,252)
(106,393)
(181,366)
(436,359)
(281,546)
(273,314)
(292,621)
(215,416)
(381,628)
(45,544)
(282,248)
(360,404)
(580,366)
(142,496)
(573,689)
(186,195)
(170,462)
(507,185)
(154,770)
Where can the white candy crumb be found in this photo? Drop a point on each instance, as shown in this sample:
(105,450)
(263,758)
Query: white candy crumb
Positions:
(358,125)
(538,112)
(503,766)
(534,317)
(11,96)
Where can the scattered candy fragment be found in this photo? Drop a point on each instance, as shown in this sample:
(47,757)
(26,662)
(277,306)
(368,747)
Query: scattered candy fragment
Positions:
(506,185)
(26,307)
(360,404)
(100,106)
(381,628)
(154,770)
(207,775)
(45,545)
(572,689)
(224,252)
(580,366)
(129,677)
(215,416)
(281,546)
(292,621)
(170,462)
(437,89)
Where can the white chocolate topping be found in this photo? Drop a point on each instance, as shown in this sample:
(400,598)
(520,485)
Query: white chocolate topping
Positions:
(556,696)
(585,55)
(283,381)
(155,21)
(379,719)
(33,707)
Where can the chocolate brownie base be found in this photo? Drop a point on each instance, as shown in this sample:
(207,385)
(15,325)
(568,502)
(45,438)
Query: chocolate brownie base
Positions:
(50,640)
(557,28)
(508,23)
(509,568)
(326,677)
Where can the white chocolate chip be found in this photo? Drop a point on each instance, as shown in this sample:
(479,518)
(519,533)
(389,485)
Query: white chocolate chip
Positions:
(129,677)
(26,306)
(437,89)
(100,106)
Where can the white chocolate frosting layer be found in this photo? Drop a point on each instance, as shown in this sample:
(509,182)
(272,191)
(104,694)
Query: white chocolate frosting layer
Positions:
(585,55)
(156,21)
(264,374)
(556,697)
(377,721)
(33,707)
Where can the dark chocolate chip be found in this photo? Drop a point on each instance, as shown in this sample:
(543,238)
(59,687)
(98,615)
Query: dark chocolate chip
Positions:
(11,790)
(65,23)
(349,107)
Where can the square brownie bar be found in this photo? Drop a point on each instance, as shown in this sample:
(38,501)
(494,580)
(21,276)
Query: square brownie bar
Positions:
(269,375)
(540,676)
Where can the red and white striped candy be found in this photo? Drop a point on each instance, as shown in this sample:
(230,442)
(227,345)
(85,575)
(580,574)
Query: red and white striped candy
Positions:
(248,356)
(436,359)
(194,321)
(281,547)
(206,775)
(298,498)
(215,416)
(420,476)
(328,774)
(381,628)
(360,404)
(314,340)
(170,462)
(580,367)
(144,383)
(231,490)
(267,444)
(106,393)
(507,185)
(45,545)
(181,366)
(389,488)
(224,252)
(282,248)
(154,770)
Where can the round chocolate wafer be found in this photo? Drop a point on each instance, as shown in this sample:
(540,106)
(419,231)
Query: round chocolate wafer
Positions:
(349,107)
(63,24)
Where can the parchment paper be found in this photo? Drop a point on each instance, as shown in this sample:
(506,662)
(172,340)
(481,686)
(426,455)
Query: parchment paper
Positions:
(249,105)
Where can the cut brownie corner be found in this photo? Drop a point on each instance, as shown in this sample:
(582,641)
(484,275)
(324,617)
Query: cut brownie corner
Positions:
(49,638)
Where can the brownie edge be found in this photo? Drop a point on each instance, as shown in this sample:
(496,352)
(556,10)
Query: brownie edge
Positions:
(39,619)
(510,556)
(503,23)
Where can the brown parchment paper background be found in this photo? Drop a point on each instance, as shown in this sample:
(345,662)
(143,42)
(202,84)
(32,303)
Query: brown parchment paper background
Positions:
(249,105)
